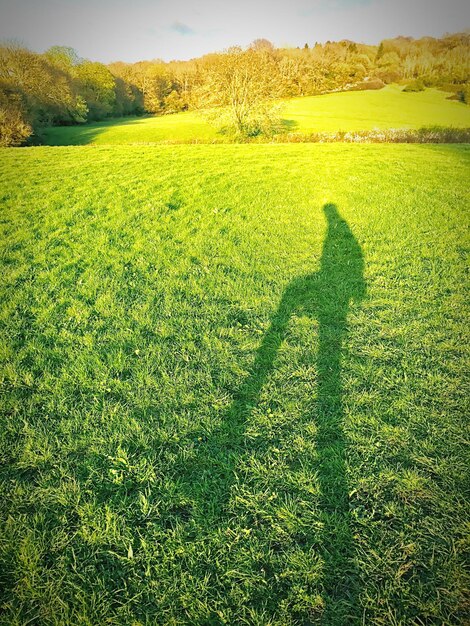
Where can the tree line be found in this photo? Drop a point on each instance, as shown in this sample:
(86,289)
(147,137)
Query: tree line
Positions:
(58,87)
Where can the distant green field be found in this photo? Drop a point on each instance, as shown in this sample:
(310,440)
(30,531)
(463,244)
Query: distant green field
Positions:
(356,110)
(233,383)
(385,108)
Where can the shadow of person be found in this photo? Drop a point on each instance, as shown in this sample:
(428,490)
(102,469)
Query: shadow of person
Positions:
(326,296)
(340,281)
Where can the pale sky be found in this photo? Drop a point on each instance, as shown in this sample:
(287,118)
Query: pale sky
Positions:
(132,30)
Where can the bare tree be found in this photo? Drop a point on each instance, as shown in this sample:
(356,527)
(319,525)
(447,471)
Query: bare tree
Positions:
(239,86)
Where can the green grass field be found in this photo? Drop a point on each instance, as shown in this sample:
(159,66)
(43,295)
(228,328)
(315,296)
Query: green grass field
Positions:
(233,384)
(350,111)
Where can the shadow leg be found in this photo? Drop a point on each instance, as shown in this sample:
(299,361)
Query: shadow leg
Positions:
(339,578)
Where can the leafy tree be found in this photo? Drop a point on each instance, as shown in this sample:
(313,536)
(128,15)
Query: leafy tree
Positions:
(97,86)
(40,92)
(155,83)
(174,102)
(262,45)
(63,56)
(14,127)
(129,98)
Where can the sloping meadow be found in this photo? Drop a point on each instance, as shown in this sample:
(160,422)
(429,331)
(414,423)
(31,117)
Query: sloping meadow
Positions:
(233,385)
(388,115)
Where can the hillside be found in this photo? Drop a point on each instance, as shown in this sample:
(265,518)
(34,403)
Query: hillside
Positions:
(356,110)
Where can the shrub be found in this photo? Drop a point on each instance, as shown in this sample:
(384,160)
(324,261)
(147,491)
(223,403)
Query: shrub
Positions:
(432,134)
(464,94)
(262,121)
(388,75)
(415,85)
(373,83)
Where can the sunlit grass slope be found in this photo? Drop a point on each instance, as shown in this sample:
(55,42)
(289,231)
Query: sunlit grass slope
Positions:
(385,108)
(355,110)
(226,401)
(182,127)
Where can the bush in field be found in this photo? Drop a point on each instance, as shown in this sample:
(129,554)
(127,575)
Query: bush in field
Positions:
(415,85)
(262,121)
(365,85)
(464,94)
